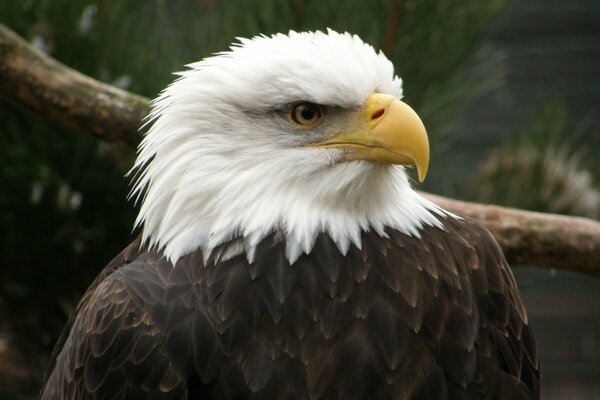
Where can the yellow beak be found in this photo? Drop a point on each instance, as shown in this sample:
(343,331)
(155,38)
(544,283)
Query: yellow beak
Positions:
(388,131)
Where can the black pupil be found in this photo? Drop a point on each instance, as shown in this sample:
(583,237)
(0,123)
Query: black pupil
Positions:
(307,113)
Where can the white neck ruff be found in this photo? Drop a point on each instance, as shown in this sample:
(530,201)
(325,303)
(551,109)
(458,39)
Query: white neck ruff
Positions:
(219,200)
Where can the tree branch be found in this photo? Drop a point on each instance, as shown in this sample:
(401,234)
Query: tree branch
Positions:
(63,96)
(66,97)
(540,239)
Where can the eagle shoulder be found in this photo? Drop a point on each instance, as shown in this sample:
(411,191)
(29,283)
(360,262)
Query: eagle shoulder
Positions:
(112,344)
(489,347)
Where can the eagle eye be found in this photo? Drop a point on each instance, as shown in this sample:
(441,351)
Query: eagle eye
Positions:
(306,115)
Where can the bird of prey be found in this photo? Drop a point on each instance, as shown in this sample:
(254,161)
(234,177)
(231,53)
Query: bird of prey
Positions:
(283,253)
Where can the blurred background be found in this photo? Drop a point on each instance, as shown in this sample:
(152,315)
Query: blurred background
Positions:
(509,91)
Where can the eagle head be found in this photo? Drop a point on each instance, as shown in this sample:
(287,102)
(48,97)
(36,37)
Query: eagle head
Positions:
(296,134)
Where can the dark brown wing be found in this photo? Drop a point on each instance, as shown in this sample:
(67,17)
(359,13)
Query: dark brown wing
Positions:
(113,348)
(126,256)
(430,317)
(486,348)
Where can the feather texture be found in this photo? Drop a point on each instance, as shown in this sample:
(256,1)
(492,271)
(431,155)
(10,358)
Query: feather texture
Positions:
(432,318)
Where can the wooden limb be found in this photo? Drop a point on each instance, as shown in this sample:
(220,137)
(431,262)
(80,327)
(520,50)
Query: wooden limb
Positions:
(533,238)
(66,97)
(63,96)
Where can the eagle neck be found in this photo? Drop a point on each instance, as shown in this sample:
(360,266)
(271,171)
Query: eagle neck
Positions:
(296,203)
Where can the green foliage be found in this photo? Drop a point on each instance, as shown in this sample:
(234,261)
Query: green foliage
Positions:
(63,215)
(63,211)
(540,168)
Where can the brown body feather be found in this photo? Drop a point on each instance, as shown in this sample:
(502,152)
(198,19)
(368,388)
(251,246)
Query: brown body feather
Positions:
(436,317)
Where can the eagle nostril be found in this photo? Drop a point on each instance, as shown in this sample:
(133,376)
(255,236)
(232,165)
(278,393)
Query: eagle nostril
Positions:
(378,113)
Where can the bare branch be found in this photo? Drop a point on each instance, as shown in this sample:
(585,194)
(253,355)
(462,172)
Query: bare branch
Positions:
(527,237)
(65,97)
(61,95)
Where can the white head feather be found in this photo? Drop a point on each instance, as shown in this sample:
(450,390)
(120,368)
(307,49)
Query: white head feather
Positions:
(219,163)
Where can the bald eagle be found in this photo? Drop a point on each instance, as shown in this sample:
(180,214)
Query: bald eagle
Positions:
(284,254)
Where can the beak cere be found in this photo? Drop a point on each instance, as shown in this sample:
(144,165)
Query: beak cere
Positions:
(389,131)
